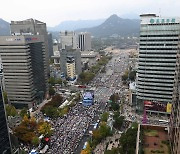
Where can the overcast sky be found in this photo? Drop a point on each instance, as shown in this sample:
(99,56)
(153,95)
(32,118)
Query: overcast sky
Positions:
(55,11)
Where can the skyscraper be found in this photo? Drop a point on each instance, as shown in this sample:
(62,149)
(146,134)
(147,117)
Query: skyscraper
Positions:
(159,40)
(50,45)
(84,41)
(5,145)
(24,68)
(32,27)
(174,130)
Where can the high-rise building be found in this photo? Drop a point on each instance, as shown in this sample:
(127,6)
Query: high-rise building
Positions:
(84,41)
(24,69)
(174,131)
(159,40)
(32,27)
(70,67)
(68,38)
(50,45)
(5,145)
(69,52)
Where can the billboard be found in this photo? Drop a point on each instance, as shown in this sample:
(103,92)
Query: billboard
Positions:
(157,106)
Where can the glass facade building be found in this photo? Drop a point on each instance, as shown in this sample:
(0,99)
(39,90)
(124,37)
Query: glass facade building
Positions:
(5,146)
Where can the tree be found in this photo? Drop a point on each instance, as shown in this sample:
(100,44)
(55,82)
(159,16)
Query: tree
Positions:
(51,91)
(118,121)
(44,128)
(125,76)
(128,140)
(104,130)
(114,98)
(96,135)
(132,75)
(5,97)
(59,81)
(52,81)
(24,112)
(114,106)
(35,141)
(84,152)
(11,110)
(104,116)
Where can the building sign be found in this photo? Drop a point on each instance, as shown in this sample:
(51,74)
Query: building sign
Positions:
(31,38)
(158,21)
(12,39)
(157,106)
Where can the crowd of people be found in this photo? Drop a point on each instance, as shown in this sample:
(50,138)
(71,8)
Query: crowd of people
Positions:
(70,129)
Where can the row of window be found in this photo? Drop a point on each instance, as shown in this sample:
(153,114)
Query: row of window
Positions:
(163,35)
(158,44)
(159,40)
(162,48)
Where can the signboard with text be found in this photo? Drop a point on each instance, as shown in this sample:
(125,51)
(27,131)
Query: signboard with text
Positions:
(157,106)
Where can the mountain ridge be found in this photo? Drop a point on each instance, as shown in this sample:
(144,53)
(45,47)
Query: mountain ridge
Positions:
(115,25)
(76,24)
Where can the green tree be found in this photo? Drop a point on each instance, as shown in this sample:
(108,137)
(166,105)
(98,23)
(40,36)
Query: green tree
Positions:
(118,121)
(52,81)
(132,75)
(51,91)
(5,97)
(11,110)
(114,106)
(128,140)
(104,116)
(35,141)
(59,81)
(104,130)
(24,112)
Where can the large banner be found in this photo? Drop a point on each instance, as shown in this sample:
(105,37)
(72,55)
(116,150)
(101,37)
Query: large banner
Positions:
(157,106)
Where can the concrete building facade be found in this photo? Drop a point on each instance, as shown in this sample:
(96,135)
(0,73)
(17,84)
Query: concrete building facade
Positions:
(159,40)
(84,41)
(77,58)
(32,27)
(71,69)
(68,38)
(24,69)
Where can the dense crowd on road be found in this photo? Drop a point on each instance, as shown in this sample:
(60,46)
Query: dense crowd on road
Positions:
(70,129)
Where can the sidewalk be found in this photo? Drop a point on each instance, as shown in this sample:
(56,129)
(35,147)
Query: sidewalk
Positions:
(40,106)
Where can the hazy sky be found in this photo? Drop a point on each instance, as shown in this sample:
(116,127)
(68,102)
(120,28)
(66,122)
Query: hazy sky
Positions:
(55,11)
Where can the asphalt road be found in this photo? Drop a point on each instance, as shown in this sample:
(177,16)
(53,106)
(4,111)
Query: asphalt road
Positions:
(107,84)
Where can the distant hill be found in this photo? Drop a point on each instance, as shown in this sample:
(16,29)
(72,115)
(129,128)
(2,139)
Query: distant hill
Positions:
(73,25)
(115,25)
(4,27)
